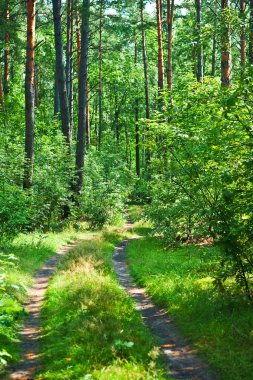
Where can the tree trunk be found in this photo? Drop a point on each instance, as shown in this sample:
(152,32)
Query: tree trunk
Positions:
(170,11)
(226,57)
(243,35)
(29,95)
(160,47)
(137,130)
(214,56)
(56,94)
(200,71)
(100,90)
(82,97)
(7,50)
(1,86)
(69,62)
(87,115)
(78,41)
(145,67)
(60,73)
(251,32)
(36,87)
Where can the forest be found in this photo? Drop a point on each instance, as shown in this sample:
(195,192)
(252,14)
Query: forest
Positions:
(115,110)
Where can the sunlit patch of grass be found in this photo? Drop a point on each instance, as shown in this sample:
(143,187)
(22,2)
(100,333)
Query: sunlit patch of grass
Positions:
(91,328)
(219,325)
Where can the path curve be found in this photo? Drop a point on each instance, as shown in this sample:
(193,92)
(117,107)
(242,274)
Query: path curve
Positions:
(182,363)
(30,332)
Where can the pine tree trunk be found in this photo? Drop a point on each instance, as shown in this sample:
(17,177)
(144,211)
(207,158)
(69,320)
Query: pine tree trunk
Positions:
(69,62)
(214,56)
(137,130)
(29,95)
(7,50)
(251,32)
(242,34)
(78,41)
(200,71)
(226,57)
(100,90)
(160,47)
(82,97)
(87,115)
(60,73)
(170,11)
(1,86)
(56,95)
(145,67)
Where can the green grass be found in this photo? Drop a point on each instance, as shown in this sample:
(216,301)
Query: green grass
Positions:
(29,252)
(218,324)
(91,328)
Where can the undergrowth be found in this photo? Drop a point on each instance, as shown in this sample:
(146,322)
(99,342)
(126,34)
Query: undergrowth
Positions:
(217,321)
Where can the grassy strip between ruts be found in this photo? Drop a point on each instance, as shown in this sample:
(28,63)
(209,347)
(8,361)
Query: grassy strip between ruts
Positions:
(19,261)
(91,328)
(220,325)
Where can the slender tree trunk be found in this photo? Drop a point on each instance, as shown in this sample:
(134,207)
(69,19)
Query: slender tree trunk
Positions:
(251,32)
(78,40)
(36,87)
(242,34)
(145,62)
(145,67)
(29,95)
(100,90)
(226,57)
(170,11)
(214,56)
(60,73)
(88,123)
(7,50)
(137,130)
(82,97)
(56,95)
(160,47)
(69,62)
(200,70)
(1,86)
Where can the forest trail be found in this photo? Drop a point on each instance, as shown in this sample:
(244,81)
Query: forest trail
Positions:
(182,363)
(31,329)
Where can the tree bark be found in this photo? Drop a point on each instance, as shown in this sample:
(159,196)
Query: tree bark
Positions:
(200,70)
(214,56)
(1,86)
(226,57)
(69,62)
(242,34)
(64,108)
(78,40)
(100,90)
(251,32)
(145,67)
(29,95)
(137,130)
(170,11)
(7,50)
(82,97)
(160,47)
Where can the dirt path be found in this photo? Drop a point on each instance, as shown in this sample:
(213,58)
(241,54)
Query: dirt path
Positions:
(30,332)
(181,362)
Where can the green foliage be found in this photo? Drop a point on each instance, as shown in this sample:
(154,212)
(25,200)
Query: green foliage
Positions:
(181,280)
(106,187)
(204,183)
